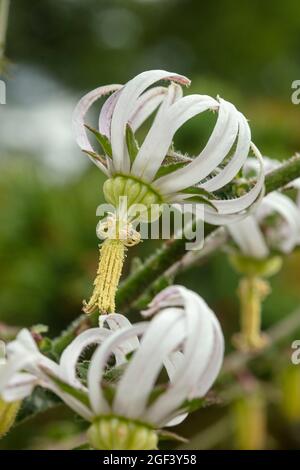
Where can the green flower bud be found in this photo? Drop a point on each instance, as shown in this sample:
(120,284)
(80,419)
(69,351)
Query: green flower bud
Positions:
(136,191)
(149,198)
(108,191)
(111,433)
(132,190)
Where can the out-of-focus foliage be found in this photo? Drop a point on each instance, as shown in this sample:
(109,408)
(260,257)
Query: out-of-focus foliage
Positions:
(247,52)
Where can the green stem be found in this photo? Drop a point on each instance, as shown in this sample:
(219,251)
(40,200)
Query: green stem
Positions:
(252,291)
(283,175)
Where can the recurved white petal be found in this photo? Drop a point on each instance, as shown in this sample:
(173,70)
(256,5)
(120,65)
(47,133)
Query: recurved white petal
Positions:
(106,113)
(214,363)
(20,352)
(219,219)
(231,206)
(146,104)
(99,360)
(203,344)
(236,162)
(125,107)
(249,238)
(115,321)
(216,149)
(163,336)
(23,354)
(160,136)
(288,235)
(78,119)
(166,298)
(71,355)
(19,387)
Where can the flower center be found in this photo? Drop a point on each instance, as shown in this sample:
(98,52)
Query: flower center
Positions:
(114,433)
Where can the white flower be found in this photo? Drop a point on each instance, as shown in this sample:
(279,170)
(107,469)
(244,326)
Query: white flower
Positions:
(17,385)
(184,338)
(210,170)
(256,237)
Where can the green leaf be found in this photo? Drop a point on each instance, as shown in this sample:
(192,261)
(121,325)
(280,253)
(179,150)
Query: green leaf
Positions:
(109,392)
(200,195)
(199,191)
(173,161)
(39,401)
(102,139)
(131,142)
(82,370)
(45,346)
(156,392)
(66,388)
(85,446)
(170,436)
(200,199)
(114,374)
(189,406)
(167,169)
(96,156)
(174,156)
(111,375)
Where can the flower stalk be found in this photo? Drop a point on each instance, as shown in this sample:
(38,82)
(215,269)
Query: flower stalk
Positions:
(252,291)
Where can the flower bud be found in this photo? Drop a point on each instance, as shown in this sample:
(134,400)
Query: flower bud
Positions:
(110,433)
(136,192)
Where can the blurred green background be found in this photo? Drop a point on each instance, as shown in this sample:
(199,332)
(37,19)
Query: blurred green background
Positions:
(247,52)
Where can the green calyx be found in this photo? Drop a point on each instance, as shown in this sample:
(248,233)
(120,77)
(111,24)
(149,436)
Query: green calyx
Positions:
(136,191)
(248,266)
(115,433)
